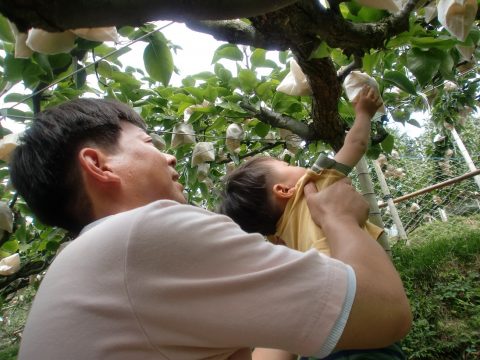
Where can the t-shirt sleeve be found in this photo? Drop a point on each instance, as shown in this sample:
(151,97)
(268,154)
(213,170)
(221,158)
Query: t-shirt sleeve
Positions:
(196,279)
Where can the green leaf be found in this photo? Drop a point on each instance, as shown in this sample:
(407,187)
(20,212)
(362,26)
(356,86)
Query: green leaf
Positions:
(204,75)
(42,61)
(80,79)
(414,123)
(370,61)
(223,74)
(211,93)
(178,98)
(322,51)
(265,89)
(84,44)
(400,80)
(387,143)
(282,57)
(367,14)
(10,246)
(125,79)
(258,57)
(401,115)
(227,51)
(13,68)
(6,33)
(33,74)
(199,93)
(374,151)
(424,64)
(261,129)
(232,107)
(158,59)
(248,79)
(446,66)
(399,40)
(59,62)
(188,81)
(16,97)
(15,114)
(441,42)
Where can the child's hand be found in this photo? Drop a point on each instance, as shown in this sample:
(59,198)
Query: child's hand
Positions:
(367,102)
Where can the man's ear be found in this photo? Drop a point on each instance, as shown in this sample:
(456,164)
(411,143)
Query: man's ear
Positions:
(94,164)
(282,191)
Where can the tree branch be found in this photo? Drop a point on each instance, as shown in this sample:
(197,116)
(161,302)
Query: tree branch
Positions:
(237,32)
(60,15)
(32,268)
(355,64)
(281,121)
(254,152)
(338,32)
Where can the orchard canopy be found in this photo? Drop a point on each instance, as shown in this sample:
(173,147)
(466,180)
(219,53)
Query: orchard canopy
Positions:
(422,54)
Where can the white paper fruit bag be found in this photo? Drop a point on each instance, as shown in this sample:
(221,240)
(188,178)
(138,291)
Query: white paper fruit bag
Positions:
(355,81)
(295,83)
(234,137)
(457,16)
(203,152)
(183,133)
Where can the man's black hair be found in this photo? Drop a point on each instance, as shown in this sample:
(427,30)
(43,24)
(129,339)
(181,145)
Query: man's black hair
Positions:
(44,168)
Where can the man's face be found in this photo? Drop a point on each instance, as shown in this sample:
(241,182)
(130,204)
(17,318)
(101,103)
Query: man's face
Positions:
(147,174)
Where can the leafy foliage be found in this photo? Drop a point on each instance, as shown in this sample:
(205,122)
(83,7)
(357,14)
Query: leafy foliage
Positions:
(441,276)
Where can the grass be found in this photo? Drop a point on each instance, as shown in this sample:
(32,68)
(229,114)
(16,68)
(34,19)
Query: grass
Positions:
(9,352)
(441,273)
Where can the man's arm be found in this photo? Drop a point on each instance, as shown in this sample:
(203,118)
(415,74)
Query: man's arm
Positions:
(272,354)
(356,141)
(380,314)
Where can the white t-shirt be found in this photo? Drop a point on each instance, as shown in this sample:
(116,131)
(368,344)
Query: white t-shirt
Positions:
(172,281)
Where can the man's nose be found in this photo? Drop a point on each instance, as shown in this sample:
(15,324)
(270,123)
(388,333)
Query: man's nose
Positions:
(171,160)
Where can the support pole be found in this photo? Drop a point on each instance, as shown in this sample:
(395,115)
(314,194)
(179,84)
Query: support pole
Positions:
(464,152)
(434,187)
(391,205)
(369,195)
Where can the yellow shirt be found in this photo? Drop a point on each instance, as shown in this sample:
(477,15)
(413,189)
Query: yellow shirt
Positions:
(296,226)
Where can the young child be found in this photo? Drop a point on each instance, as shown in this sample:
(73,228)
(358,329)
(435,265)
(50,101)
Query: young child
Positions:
(265,195)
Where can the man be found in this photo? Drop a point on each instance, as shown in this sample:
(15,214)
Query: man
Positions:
(150,277)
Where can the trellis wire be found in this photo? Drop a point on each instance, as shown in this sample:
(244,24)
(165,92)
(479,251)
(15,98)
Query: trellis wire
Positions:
(461,198)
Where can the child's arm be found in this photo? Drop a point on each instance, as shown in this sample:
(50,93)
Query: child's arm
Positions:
(356,141)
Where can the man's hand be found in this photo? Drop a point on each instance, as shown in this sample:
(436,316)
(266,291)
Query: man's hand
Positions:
(367,102)
(338,202)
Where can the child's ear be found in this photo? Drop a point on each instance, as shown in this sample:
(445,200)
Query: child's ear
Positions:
(282,191)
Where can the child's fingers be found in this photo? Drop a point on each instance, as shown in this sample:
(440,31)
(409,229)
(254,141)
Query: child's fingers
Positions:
(365,90)
(372,94)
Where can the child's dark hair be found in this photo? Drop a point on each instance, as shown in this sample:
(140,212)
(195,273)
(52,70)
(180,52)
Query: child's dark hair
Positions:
(44,167)
(246,197)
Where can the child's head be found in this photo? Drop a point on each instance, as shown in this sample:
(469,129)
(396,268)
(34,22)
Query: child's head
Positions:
(256,193)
